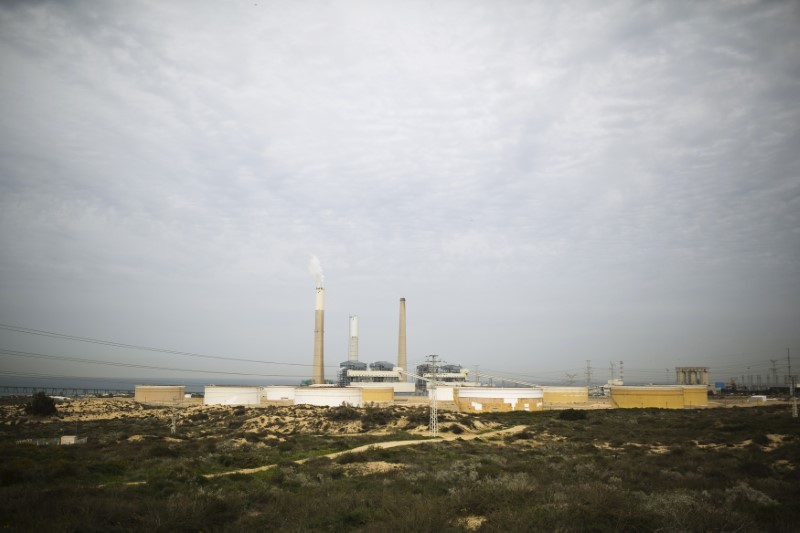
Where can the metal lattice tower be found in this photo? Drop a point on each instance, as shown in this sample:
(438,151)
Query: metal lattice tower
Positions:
(434,423)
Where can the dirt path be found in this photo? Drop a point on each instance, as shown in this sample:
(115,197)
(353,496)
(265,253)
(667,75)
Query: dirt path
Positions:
(377,445)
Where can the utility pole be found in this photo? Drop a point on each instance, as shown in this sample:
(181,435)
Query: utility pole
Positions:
(791,383)
(434,423)
(173,429)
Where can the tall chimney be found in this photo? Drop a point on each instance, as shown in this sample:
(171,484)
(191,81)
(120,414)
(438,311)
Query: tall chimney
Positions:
(354,338)
(319,338)
(401,343)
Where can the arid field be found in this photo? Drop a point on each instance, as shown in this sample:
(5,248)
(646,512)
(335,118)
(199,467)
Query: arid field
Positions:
(299,468)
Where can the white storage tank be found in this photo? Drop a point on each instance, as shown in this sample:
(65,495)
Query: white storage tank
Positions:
(278,392)
(498,399)
(328,396)
(219,395)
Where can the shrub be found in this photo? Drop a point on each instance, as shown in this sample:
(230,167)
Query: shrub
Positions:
(455,428)
(376,416)
(41,405)
(343,413)
(572,414)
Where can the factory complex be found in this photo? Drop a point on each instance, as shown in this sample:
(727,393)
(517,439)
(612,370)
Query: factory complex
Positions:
(450,386)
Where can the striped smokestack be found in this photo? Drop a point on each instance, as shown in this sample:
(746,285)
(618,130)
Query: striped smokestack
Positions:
(401,342)
(319,338)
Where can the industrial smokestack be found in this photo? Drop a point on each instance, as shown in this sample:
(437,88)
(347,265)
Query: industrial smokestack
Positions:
(401,342)
(319,338)
(353,338)
(315,269)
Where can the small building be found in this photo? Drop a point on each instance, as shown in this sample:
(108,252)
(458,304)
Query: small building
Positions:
(159,393)
(497,399)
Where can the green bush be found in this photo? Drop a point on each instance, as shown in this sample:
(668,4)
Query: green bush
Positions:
(572,414)
(41,405)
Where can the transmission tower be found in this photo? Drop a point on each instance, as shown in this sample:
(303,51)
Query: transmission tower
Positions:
(571,379)
(434,423)
(774,372)
(588,373)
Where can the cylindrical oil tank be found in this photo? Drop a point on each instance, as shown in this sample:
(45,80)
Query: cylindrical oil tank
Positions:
(159,393)
(566,394)
(498,399)
(695,395)
(328,396)
(663,397)
(232,395)
(278,392)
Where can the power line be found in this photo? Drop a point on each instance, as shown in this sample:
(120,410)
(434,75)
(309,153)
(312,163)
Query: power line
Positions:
(76,338)
(32,355)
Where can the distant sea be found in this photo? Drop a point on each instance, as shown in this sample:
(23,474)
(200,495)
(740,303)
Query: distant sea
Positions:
(192,384)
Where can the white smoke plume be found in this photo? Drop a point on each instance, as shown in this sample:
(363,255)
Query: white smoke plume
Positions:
(315,269)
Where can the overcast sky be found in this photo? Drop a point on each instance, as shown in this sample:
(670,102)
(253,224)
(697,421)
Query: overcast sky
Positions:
(546,183)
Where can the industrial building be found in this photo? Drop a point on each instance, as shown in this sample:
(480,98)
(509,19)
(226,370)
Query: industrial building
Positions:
(159,393)
(691,375)
(663,397)
(450,374)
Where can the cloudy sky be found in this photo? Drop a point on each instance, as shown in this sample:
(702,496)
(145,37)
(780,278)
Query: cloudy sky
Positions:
(546,183)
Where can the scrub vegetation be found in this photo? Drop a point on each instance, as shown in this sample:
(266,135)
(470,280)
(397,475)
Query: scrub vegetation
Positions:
(604,470)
